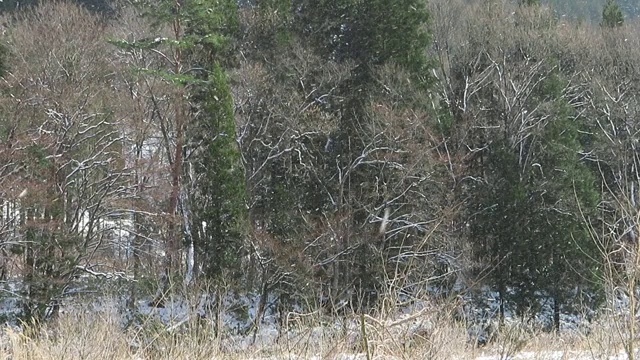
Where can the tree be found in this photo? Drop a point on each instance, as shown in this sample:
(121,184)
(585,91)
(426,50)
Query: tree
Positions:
(506,101)
(63,152)
(370,34)
(570,258)
(527,218)
(217,191)
(197,127)
(326,120)
(530,2)
(612,16)
(365,38)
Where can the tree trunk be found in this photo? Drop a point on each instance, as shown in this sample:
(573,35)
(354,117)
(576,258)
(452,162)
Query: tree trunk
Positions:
(261,307)
(186,219)
(501,300)
(172,256)
(556,314)
(163,290)
(135,257)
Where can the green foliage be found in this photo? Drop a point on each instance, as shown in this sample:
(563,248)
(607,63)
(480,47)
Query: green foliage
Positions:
(370,33)
(530,2)
(335,107)
(39,161)
(98,6)
(499,215)
(4,54)
(366,37)
(444,121)
(274,28)
(566,254)
(49,261)
(319,65)
(204,33)
(218,194)
(211,27)
(527,214)
(612,16)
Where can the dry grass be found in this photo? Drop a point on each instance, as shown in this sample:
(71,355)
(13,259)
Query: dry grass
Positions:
(423,335)
(72,337)
(99,336)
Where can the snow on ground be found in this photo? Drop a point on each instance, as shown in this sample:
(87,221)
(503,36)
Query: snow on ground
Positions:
(239,312)
(527,355)
(553,355)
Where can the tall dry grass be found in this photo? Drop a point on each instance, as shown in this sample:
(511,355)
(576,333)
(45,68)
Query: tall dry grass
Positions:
(427,334)
(84,335)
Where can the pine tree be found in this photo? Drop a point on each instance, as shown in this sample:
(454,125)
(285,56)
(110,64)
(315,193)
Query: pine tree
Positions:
(217,193)
(206,199)
(529,2)
(527,220)
(325,58)
(612,16)
(568,254)
(499,218)
(369,35)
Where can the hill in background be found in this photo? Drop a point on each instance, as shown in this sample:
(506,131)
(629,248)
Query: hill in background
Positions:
(582,10)
(591,10)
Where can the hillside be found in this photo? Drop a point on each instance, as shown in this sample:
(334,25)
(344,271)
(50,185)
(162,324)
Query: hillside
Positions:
(591,10)
(581,10)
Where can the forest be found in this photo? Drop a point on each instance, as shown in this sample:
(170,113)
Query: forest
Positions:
(340,158)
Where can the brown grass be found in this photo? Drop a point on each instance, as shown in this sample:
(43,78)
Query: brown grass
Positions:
(424,335)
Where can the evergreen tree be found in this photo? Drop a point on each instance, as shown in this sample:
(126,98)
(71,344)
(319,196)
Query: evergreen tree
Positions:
(217,191)
(326,173)
(612,16)
(369,35)
(104,7)
(207,205)
(527,221)
(566,251)
(499,217)
(529,2)
(217,194)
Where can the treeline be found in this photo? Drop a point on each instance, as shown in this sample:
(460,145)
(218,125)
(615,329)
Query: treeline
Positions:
(102,7)
(590,10)
(324,152)
(575,10)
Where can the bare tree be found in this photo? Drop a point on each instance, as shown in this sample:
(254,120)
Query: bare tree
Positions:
(66,148)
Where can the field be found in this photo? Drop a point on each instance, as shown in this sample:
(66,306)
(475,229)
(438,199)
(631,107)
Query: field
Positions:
(185,330)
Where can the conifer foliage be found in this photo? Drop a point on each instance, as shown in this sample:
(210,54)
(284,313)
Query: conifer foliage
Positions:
(206,203)
(612,16)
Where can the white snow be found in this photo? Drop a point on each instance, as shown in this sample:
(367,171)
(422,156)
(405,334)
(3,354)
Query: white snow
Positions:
(553,355)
